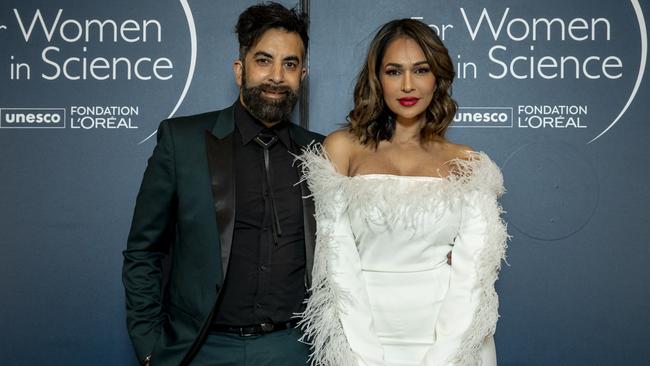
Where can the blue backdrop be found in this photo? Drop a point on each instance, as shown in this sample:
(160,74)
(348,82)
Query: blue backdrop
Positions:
(553,91)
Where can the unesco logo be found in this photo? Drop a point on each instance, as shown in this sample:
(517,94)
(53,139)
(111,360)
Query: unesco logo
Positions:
(32,118)
(498,117)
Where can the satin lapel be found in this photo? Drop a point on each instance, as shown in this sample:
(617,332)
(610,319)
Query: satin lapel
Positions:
(219,147)
(308,209)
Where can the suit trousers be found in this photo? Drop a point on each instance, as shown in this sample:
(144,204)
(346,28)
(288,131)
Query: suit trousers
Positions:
(280,348)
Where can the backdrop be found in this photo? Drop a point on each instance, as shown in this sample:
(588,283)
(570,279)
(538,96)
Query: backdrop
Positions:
(553,91)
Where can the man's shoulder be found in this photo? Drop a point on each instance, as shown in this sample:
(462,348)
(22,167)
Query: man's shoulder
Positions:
(204,120)
(193,126)
(306,135)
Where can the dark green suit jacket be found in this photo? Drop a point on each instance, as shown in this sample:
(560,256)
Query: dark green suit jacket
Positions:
(186,208)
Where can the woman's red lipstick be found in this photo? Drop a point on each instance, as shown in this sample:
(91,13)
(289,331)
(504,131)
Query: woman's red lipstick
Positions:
(408,101)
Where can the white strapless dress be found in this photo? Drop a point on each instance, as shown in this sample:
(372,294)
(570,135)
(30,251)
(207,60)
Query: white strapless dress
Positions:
(383,293)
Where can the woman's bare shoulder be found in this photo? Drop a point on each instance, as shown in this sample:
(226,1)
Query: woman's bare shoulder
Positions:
(340,139)
(452,151)
(462,151)
(340,145)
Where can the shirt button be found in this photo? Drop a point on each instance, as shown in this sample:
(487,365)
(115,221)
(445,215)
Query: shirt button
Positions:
(263,268)
(258,305)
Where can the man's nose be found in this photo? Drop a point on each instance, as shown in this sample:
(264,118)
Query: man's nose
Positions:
(277,74)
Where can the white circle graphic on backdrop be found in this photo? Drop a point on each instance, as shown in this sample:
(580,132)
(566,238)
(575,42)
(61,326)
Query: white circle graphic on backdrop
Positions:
(644,55)
(564,176)
(190,73)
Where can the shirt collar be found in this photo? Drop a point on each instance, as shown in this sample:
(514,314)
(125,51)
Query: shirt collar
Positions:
(249,126)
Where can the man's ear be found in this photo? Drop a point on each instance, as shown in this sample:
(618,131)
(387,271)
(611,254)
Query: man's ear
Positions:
(303,73)
(238,70)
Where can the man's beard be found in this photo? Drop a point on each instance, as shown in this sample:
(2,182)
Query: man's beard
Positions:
(265,109)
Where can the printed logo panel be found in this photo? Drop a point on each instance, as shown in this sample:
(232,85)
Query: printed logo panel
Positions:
(32,117)
(483,117)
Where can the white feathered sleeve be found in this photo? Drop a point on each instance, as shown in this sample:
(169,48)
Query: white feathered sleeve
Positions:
(468,317)
(337,321)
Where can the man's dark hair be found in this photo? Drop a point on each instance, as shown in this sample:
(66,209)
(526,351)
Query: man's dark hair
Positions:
(257,19)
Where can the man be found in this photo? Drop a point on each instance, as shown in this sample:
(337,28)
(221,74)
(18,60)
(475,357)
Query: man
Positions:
(220,197)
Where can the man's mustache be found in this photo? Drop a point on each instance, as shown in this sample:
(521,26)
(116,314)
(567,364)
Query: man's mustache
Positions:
(274,88)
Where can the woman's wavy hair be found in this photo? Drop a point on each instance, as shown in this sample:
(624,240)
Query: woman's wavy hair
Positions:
(371,121)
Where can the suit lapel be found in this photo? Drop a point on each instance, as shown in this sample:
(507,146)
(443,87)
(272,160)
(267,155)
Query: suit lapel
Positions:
(219,148)
(220,151)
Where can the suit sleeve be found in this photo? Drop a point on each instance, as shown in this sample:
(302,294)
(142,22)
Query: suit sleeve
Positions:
(150,237)
(337,320)
(469,311)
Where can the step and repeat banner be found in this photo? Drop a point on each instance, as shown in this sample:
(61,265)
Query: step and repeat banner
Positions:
(555,92)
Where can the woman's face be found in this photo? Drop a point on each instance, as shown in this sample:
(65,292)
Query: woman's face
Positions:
(406,79)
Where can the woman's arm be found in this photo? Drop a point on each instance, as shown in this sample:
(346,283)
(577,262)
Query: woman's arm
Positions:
(470,309)
(338,319)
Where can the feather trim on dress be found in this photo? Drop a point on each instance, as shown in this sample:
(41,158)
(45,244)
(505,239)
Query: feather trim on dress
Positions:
(476,176)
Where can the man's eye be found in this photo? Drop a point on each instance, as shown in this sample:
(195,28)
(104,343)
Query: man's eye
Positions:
(262,61)
(291,65)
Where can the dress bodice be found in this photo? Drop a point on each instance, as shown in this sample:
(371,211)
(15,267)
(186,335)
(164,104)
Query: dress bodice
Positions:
(402,223)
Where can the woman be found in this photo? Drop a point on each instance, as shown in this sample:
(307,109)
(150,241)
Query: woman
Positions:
(392,198)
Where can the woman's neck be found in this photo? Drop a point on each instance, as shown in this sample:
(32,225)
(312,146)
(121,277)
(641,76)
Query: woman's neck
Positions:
(407,130)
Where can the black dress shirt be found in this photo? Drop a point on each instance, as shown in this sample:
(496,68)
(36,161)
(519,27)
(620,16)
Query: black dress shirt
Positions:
(265,279)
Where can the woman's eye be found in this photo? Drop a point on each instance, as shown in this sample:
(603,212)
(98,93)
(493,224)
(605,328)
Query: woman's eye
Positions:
(422,70)
(392,72)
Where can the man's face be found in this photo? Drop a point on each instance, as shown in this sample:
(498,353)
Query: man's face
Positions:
(270,75)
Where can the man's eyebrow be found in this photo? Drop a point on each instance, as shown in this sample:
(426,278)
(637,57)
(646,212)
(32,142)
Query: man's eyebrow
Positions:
(262,53)
(292,58)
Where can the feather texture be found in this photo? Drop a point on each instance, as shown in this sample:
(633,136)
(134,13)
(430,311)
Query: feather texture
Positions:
(475,177)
